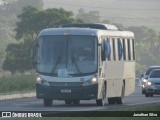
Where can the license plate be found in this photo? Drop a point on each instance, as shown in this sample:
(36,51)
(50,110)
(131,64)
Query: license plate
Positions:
(65,91)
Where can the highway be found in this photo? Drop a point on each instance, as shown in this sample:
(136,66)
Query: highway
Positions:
(33,104)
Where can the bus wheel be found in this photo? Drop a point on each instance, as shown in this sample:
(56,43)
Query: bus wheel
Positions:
(68,102)
(151,95)
(47,102)
(100,102)
(146,94)
(120,100)
(111,101)
(76,102)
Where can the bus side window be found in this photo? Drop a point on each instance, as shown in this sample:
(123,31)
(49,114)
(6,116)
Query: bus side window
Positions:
(114,49)
(120,49)
(129,49)
(106,50)
(133,49)
(124,50)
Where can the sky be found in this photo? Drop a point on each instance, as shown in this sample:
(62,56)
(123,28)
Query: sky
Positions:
(126,12)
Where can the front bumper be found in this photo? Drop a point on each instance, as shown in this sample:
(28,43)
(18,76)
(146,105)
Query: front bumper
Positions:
(67,92)
(153,89)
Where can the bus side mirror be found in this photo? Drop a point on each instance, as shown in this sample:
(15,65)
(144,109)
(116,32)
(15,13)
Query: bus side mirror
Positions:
(34,53)
(105,51)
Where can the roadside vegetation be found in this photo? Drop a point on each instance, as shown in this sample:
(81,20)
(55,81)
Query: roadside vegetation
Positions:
(19,27)
(20,23)
(17,83)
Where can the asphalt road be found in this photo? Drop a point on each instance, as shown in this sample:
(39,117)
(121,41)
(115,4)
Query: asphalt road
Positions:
(33,104)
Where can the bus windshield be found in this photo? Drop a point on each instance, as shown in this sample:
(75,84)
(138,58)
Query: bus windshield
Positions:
(74,55)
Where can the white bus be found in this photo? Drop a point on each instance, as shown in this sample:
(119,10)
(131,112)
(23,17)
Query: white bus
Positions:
(76,64)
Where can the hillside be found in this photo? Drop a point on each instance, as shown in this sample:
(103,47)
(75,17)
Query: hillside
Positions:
(127,12)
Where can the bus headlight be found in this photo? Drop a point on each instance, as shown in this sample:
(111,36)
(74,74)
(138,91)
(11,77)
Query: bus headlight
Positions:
(149,83)
(144,80)
(38,79)
(41,81)
(94,80)
(90,81)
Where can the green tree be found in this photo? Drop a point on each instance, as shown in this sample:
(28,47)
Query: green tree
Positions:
(25,27)
(17,57)
(31,22)
(16,6)
(2,57)
(9,9)
(146,47)
(89,17)
(118,25)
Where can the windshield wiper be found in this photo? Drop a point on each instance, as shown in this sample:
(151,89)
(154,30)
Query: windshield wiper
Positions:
(76,65)
(56,64)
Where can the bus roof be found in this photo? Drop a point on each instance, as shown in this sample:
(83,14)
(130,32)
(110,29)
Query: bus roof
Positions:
(86,31)
(91,25)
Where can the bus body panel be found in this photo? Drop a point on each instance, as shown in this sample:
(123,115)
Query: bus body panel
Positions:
(118,73)
(130,74)
(67,88)
(113,73)
(66,92)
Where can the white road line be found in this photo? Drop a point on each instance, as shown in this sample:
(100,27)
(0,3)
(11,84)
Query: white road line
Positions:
(143,103)
(89,109)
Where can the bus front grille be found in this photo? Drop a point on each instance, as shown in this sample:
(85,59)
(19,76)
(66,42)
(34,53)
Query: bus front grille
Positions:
(74,84)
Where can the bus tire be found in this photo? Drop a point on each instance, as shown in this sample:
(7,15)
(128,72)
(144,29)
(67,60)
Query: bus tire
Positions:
(151,95)
(111,101)
(47,102)
(100,102)
(68,102)
(146,94)
(76,102)
(120,100)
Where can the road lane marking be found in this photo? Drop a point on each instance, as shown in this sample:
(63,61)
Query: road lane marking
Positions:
(143,103)
(84,109)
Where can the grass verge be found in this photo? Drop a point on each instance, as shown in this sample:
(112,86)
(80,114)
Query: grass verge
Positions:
(20,83)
